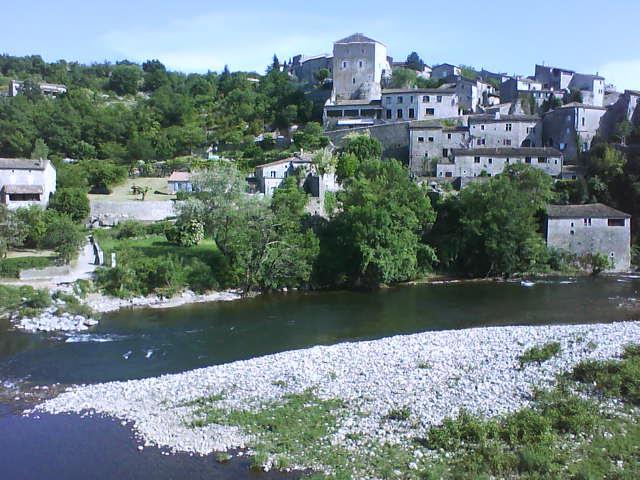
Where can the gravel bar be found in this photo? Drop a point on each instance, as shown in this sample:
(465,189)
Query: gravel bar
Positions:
(434,374)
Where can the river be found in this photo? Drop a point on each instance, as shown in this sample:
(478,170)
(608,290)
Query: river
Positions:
(141,343)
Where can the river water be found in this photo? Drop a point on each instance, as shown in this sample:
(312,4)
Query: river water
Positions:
(141,343)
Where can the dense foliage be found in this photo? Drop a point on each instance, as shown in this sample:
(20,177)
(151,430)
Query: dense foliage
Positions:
(128,112)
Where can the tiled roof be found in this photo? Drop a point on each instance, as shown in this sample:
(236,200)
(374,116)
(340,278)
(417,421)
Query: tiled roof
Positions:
(37,189)
(298,158)
(22,164)
(179,177)
(357,38)
(506,151)
(594,210)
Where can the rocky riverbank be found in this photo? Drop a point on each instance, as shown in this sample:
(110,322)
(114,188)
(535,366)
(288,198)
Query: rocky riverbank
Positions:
(393,389)
(99,302)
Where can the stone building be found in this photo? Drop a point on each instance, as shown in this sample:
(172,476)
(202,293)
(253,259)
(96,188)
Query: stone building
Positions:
(476,162)
(445,71)
(513,87)
(591,229)
(420,103)
(359,65)
(180,182)
(620,107)
(559,79)
(571,128)
(497,130)
(305,68)
(25,182)
(430,142)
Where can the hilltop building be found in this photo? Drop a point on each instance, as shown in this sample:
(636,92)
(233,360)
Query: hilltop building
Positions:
(25,182)
(430,141)
(497,130)
(571,128)
(559,79)
(591,229)
(51,89)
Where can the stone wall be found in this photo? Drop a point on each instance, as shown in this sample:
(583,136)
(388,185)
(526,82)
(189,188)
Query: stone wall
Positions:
(44,273)
(393,136)
(594,237)
(109,212)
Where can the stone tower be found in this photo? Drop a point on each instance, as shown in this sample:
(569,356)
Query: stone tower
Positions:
(359,64)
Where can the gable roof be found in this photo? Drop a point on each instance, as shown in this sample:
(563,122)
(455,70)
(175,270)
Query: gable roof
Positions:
(357,38)
(594,210)
(33,189)
(22,164)
(298,158)
(491,118)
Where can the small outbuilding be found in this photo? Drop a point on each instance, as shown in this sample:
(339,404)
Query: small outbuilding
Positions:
(590,229)
(180,182)
(25,182)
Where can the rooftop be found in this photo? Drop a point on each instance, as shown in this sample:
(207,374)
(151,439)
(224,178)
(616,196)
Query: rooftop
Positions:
(33,189)
(22,164)
(179,177)
(491,117)
(297,158)
(594,210)
(357,38)
(506,152)
(578,105)
(387,91)
(436,125)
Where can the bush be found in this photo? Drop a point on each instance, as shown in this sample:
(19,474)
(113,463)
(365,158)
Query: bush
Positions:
(11,267)
(129,229)
(23,298)
(200,277)
(64,236)
(185,234)
(614,378)
(71,201)
(540,354)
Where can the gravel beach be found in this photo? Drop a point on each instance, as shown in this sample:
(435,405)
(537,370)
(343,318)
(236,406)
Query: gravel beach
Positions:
(434,374)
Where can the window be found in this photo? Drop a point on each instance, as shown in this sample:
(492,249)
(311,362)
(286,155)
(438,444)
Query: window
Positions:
(584,121)
(449,136)
(439,98)
(448,174)
(506,142)
(586,222)
(527,160)
(476,160)
(273,174)
(430,111)
(399,99)
(431,139)
(399,115)
(388,99)
(508,127)
(360,63)
(420,139)
(507,160)
(389,114)
(490,161)
(482,127)
(426,154)
(411,99)
(353,80)
(542,159)
(426,99)
(615,222)
(412,113)
(445,152)
(344,64)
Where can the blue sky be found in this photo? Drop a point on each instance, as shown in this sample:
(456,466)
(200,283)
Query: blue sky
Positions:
(195,35)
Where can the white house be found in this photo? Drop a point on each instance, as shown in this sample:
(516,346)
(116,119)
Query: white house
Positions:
(25,182)
(180,182)
(591,229)
(271,175)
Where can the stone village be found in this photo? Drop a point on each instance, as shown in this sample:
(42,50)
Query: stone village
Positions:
(461,131)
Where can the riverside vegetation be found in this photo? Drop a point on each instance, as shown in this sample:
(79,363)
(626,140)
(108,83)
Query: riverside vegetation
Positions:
(567,432)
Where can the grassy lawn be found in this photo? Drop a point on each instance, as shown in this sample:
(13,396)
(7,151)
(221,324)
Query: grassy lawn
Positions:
(147,263)
(156,246)
(123,193)
(10,267)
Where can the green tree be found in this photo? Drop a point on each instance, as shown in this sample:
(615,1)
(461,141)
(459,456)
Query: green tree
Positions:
(102,175)
(125,79)
(469,72)
(310,137)
(321,75)
(363,147)
(377,235)
(494,225)
(72,202)
(347,166)
(414,62)
(403,78)
(40,150)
